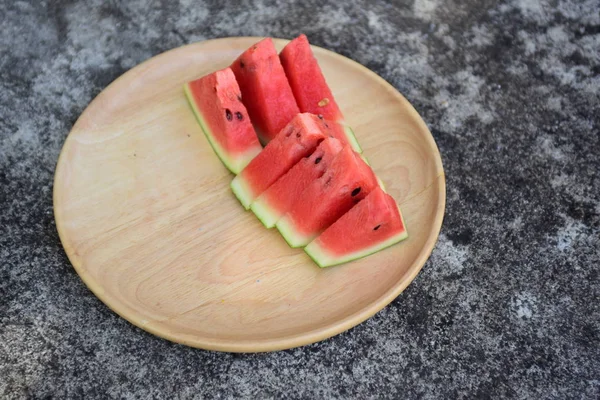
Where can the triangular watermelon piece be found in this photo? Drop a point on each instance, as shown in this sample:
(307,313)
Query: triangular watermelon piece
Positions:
(298,139)
(281,196)
(265,89)
(215,100)
(370,226)
(347,181)
(310,88)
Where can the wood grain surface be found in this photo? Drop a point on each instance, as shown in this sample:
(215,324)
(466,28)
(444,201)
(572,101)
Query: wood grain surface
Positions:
(146,216)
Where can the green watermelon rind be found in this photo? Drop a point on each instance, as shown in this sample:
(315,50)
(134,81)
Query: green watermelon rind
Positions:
(242,191)
(349,132)
(291,235)
(234,164)
(264,212)
(324,259)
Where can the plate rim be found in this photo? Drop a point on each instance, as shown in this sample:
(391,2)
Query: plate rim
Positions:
(285,342)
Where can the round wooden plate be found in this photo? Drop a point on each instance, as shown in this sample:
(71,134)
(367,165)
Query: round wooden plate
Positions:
(146,216)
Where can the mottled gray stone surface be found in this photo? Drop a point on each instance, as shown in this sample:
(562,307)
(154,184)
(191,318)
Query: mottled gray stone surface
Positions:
(507,306)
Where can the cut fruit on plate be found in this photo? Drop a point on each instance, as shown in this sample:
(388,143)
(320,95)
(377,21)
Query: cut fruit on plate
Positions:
(372,225)
(215,100)
(194,281)
(265,89)
(298,139)
(311,91)
(281,196)
(347,181)
(307,81)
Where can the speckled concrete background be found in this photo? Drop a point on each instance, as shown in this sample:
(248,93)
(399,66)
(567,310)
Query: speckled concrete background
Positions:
(509,303)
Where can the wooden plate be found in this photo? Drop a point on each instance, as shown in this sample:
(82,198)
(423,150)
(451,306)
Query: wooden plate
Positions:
(146,216)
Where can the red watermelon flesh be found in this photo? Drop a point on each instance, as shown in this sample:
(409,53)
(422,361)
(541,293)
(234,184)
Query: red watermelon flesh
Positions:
(307,81)
(215,100)
(298,139)
(265,89)
(347,181)
(282,195)
(372,225)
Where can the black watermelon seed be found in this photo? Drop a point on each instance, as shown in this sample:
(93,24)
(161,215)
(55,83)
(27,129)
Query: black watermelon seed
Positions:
(239,116)
(355,191)
(377,227)
(318,160)
(298,135)
(242,64)
(228,114)
(320,116)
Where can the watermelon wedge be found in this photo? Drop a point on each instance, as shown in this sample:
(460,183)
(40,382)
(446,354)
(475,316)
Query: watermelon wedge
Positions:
(298,139)
(309,86)
(372,225)
(281,196)
(347,181)
(215,100)
(265,89)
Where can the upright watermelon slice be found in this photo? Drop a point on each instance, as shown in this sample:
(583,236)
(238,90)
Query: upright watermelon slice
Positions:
(372,225)
(281,196)
(215,100)
(298,139)
(347,181)
(265,89)
(308,84)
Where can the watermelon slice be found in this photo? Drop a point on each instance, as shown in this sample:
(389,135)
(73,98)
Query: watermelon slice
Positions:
(282,195)
(308,84)
(347,181)
(265,89)
(372,225)
(215,100)
(298,139)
